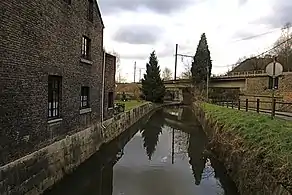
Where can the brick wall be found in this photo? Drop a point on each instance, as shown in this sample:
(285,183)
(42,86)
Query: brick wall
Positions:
(42,38)
(110,72)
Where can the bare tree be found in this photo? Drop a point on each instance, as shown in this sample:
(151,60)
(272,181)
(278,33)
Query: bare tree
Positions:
(167,74)
(186,74)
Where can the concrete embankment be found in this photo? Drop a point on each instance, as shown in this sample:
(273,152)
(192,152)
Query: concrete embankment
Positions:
(256,150)
(34,173)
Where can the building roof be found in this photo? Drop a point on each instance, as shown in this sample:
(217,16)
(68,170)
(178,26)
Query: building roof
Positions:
(99,13)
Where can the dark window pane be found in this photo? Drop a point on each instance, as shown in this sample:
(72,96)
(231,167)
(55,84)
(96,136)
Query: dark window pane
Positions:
(110,100)
(90,10)
(84,98)
(54,93)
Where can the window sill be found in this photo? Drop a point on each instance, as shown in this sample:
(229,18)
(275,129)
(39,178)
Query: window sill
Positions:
(85,110)
(86,61)
(53,121)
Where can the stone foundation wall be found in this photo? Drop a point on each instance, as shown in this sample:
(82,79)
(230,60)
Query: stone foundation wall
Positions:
(36,172)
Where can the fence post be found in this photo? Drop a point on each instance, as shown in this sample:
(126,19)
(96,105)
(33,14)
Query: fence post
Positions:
(273,107)
(227,103)
(238,104)
(232,104)
(258,105)
(246,105)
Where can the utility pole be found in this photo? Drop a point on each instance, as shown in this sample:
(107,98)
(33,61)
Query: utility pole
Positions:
(176,55)
(175,61)
(135,72)
(273,88)
(140,73)
(285,35)
(207,82)
(288,25)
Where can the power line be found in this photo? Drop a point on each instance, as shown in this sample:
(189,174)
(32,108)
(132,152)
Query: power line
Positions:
(256,36)
(267,51)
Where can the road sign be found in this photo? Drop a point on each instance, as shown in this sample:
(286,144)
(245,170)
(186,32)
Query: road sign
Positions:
(278,69)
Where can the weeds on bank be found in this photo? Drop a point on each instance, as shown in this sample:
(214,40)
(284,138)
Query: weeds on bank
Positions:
(131,104)
(272,139)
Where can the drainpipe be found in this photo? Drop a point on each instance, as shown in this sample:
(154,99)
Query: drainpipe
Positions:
(102,89)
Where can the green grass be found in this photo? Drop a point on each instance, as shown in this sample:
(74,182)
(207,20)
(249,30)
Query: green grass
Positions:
(130,104)
(272,138)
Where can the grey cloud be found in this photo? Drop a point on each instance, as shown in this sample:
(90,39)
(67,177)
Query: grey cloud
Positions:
(138,34)
(159,6)
(281,14)
(133,56)
(241,34)
(242,2)
(163,52)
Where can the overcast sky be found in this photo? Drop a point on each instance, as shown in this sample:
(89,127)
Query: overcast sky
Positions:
(134,28)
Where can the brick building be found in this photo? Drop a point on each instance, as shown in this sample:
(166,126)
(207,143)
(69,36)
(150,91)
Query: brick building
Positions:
(51,72)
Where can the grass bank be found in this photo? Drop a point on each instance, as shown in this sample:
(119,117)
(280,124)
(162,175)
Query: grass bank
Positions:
(131,104)
(265,145)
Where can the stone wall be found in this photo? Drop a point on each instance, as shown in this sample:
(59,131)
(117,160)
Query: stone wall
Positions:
(38,171)
(257,88)
(42,38)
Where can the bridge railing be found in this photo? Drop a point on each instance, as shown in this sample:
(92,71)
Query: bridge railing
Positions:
(245,74)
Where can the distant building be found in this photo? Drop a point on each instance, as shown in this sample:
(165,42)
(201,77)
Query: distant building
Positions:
(258,85)
(51,72)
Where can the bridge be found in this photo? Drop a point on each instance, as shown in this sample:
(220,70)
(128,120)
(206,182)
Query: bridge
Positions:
(176,90)
(233,80)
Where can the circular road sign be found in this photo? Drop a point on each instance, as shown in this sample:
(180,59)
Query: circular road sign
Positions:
(278,69)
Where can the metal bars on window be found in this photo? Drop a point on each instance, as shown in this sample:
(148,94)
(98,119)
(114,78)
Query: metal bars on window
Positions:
(84,98)
(54,93)
(85,49)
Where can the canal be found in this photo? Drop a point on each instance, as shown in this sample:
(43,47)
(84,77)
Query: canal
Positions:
(165,153)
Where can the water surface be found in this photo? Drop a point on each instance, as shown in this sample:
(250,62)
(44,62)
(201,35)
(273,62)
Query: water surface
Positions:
(167,155)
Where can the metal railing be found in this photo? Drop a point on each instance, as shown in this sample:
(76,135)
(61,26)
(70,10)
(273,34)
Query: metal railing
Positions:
(245,74)
(281,108)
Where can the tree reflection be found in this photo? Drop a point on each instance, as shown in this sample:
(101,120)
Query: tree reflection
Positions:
(151,132)
(197,160)
(187,115)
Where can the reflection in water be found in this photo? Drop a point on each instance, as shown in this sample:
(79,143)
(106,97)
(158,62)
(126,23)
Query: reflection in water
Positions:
(121,167)
(151,132)
(196,155)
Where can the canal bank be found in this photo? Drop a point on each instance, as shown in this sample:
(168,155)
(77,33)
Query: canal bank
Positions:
(164,153)
(34,173)
(256,151)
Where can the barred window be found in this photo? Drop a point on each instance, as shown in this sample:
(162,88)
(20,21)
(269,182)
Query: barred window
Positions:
(84,97)
(54,94)
(85,49)
(90,10)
